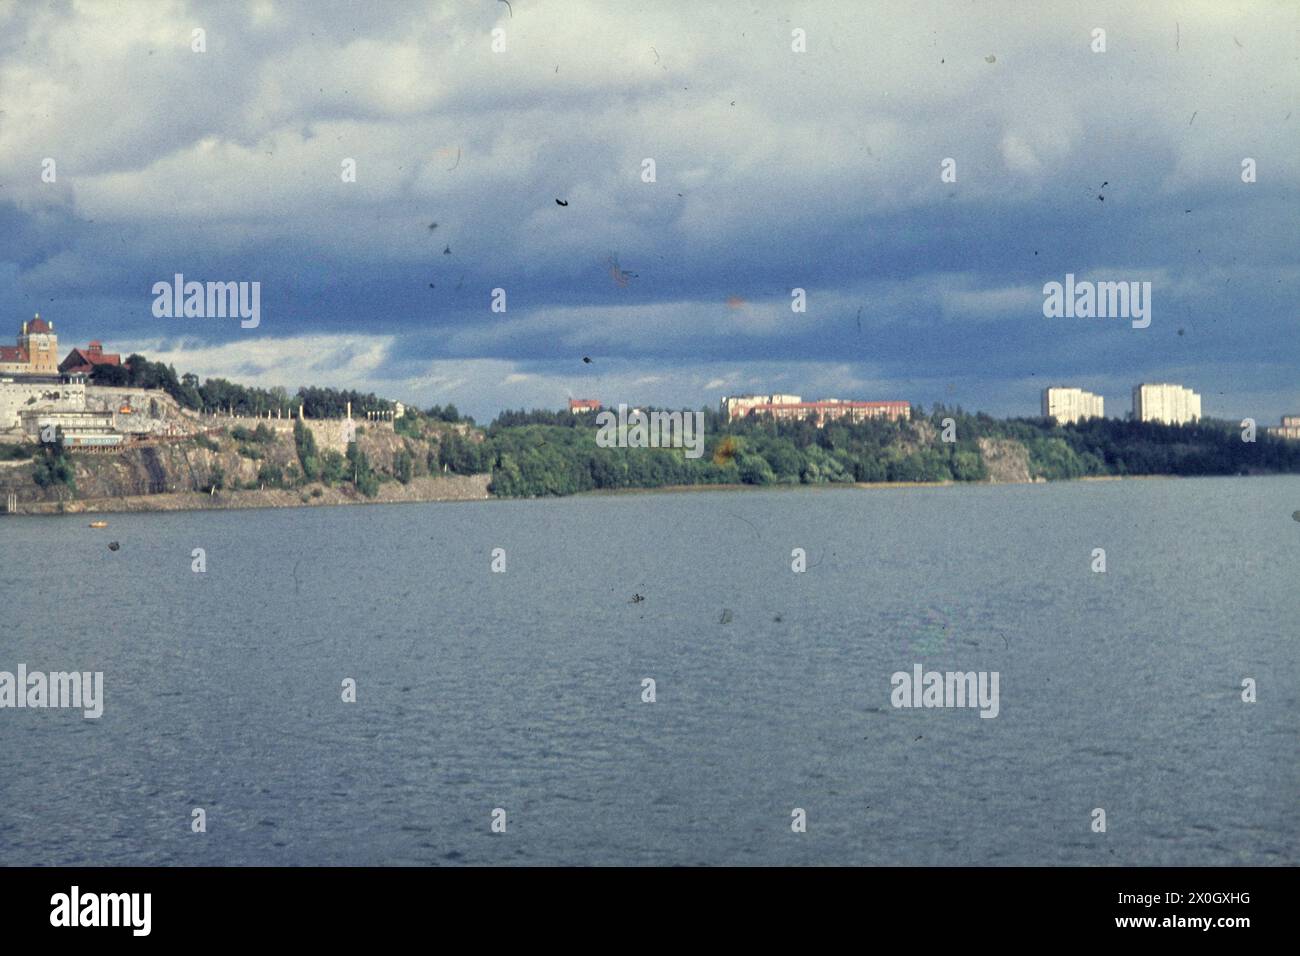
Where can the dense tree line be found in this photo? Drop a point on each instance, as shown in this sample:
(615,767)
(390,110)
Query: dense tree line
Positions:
(545,452)
(517,418)
(1208,447)
(447,413)
(555,453)
(220,395)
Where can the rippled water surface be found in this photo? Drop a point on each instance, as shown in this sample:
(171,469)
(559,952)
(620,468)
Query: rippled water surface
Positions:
(522,690)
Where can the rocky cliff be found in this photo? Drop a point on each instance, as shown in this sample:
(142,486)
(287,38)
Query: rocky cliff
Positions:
(1007,460)
(228,467)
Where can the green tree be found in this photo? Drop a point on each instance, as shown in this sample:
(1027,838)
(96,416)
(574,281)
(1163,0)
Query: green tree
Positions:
(270,475)
(113,376)
(54,468)
(308,457)
(403,466)
(968,466)
(363,477)
(754,469)
(333,467)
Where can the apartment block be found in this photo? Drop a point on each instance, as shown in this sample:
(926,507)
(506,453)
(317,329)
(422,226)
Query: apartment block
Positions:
(1165,403)
(794,408)
(1290,428)
(1068,405)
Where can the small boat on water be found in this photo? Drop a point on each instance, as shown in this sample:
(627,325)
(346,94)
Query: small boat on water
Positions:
(99,524)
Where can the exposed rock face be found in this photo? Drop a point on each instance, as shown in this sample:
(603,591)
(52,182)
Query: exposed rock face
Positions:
(140,411)
(382,446)
(187,471)
(926,436)
(1007,460)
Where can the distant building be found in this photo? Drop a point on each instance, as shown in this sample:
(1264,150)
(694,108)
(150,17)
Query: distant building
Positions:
(85,414)
(741,405)
(1290,428)
(1165,403)
(82,429)
(85,361)
(1069,405)
(22,395)
(794,408)
(580,405)
(37,351)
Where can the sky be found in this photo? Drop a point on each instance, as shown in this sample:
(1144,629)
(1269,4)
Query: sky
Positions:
(774,169)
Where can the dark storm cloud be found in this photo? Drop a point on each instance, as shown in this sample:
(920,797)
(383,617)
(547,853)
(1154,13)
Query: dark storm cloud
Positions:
(775,170)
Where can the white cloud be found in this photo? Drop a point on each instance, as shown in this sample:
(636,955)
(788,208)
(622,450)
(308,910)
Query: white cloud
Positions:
(145,128)
(978,304)
(482,386)
(340,361)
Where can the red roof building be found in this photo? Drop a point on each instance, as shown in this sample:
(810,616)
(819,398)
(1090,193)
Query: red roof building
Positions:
(579,405)
(792,408)
(35,353)
(85,361)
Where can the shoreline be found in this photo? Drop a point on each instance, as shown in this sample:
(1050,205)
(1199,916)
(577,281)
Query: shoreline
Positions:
(418,491)
(871,485)
(827,486)
(465,488)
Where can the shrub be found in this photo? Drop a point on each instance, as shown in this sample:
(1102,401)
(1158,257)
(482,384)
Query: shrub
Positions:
(403,466)
(216,480)
(16,452)
(271,476)
(55,469)
(305,443)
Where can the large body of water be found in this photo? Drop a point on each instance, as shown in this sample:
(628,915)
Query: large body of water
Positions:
(522,690)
